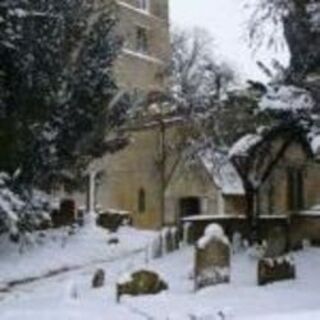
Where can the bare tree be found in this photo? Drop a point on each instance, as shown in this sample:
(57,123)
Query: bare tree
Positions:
(300,22)
(196,78)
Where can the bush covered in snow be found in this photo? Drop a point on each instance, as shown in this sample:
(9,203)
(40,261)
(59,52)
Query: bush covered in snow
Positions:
(21,212)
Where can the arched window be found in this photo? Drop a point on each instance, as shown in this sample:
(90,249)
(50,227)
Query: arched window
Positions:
(142,201)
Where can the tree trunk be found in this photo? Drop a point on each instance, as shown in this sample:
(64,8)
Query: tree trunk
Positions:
(251,213)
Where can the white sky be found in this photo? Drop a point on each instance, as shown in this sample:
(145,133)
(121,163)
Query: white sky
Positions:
(226,21)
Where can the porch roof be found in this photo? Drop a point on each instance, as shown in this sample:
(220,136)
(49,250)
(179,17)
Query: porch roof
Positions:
(223,173)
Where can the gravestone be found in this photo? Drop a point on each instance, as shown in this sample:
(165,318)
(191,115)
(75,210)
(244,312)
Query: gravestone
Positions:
(167,240)
(212,258)
(156,247)
(98,279)
(66,215)
(187,233)
(237,244)
(175,238)
(276,242)
(275,269)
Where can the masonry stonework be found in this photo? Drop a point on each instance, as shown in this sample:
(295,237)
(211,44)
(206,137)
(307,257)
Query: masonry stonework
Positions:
(138,70)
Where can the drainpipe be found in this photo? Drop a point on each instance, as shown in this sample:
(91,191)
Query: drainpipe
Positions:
(162,169)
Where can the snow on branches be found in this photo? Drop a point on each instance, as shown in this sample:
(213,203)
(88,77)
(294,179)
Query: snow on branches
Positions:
(21,213)
(244,145)
(313,10)
(286,98)
(57,87)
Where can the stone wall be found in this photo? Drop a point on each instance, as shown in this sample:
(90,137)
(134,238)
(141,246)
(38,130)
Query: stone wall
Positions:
(305,227)
(191,182)
(232,225)
(135,168)
(274,197)
(130,170)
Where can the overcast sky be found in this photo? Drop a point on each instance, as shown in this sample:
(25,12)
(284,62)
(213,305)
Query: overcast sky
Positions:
(226,21)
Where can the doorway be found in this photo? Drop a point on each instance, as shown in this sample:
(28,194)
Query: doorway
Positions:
(189,206)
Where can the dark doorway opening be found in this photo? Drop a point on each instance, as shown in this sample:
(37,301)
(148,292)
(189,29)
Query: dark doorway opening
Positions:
(189,206)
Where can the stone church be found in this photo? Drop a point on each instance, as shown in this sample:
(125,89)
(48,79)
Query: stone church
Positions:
(151,178)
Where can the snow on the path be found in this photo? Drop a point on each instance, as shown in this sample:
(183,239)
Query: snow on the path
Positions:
(242,299)
(61,251)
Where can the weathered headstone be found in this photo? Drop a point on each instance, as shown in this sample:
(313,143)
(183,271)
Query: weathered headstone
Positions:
(156,247)
(212,258)
(98,279)
(306,244)
(167,240)
(237,244)
(175,238)
(275,269)
(187,233)
(140,283)
(276,242)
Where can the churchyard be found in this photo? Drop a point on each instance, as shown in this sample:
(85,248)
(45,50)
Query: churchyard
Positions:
(205,281)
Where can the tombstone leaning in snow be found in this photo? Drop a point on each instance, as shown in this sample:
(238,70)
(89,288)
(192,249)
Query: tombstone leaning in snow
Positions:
(141,282)
(212,258)
(98,279)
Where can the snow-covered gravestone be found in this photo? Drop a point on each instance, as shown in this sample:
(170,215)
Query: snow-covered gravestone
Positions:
(156,247)
(276,269)
(167,239)
(187,233)
(212,258)
(237,244)
(175,238)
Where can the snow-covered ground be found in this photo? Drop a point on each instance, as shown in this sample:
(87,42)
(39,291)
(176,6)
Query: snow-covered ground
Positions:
(59,250)
(51,298)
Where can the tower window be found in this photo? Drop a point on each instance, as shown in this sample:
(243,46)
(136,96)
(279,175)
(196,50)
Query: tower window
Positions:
(141,201)
(142,40)
(144,4)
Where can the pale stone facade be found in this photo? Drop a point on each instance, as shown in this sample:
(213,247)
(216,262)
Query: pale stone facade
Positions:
(135,181)
(284,195)
(144,26)
(135,177)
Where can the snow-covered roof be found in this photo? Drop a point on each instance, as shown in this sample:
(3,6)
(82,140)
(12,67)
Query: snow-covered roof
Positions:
(222,171)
